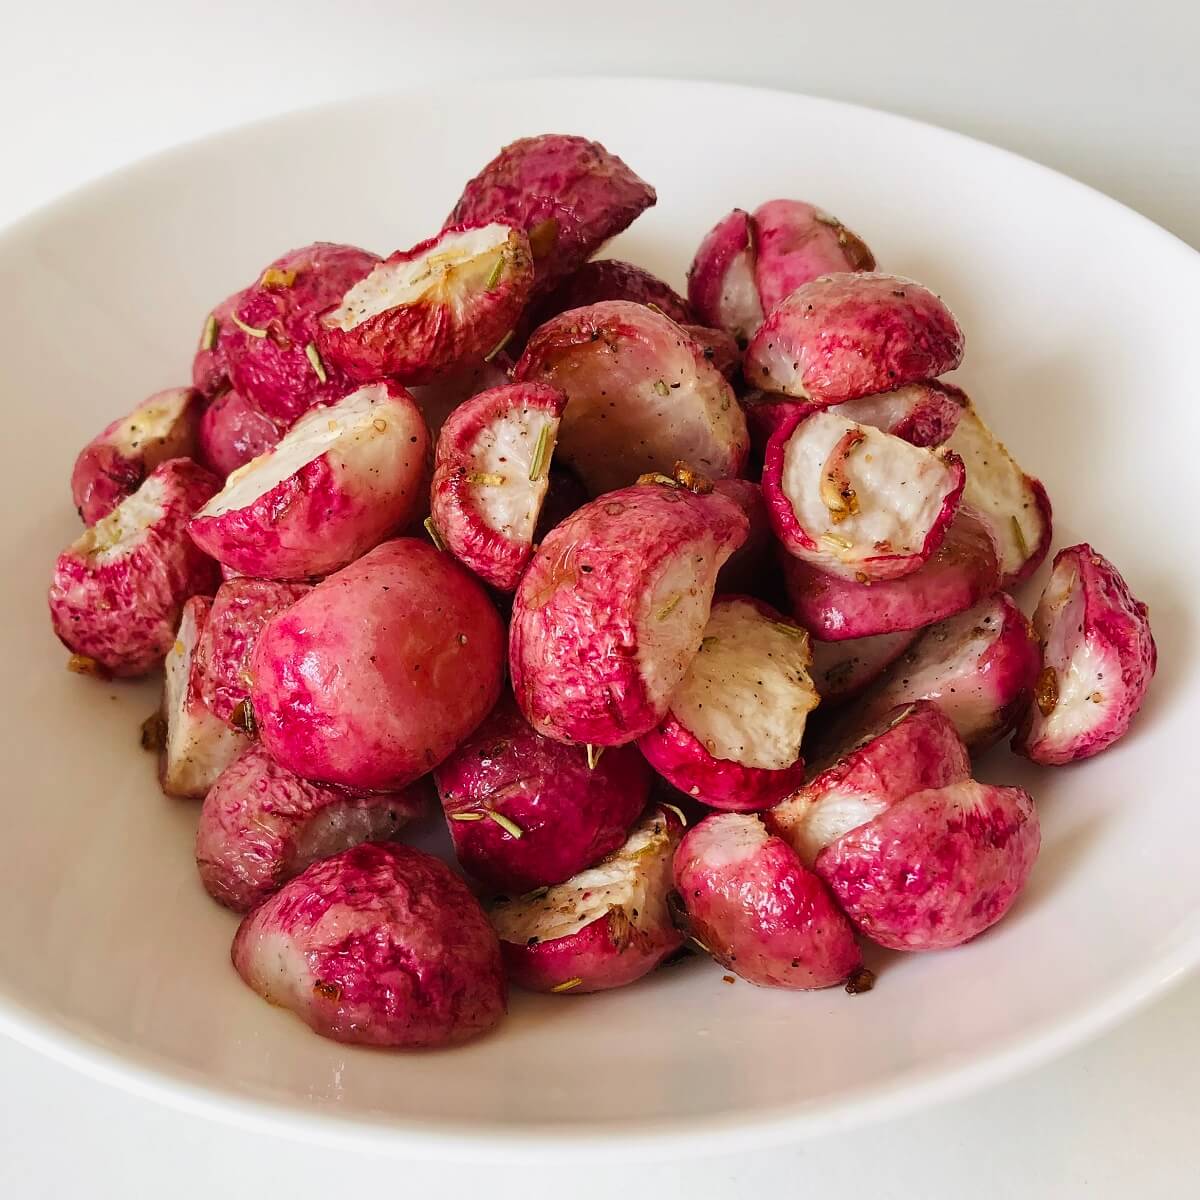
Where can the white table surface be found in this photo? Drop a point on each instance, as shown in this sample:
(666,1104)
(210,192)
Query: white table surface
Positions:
(1105,91)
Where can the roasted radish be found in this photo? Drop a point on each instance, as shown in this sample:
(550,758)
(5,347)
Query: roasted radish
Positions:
(856,501)
(568,194)
(1014,504)
(240,609)
(603,928)
(490,477)
(612,279)
(433,309)
(339,481)
(731,738)
(749,262)
(612,609)
(964,569)
(842,669)
(978,667)
(754,906)
(197,745)
(437,400)
(751,563)
(1099,659)
(381,945)
(641,395)
(525,811)
(850,335)
(114,463)
(119,588)
(376,675)
(233,431)
(261,826)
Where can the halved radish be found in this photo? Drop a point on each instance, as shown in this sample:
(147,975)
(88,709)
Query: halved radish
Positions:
(1099,659)
(721,283)
(603,928)
(339,481)
(261,825)
(569,194)
(964,569)
(612,279)
(851,334)
(612,609)
(910,750)
(1014,504)
(114,463)
(198,745)
(233,431)
(490,476)
(641,395)
(732,736)
(119,588)
(239,611)
(754,906)
(978,667)
(856,501)
(423,312)
(842,669)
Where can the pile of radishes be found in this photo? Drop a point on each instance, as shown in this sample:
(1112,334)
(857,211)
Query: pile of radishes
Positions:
(637,511)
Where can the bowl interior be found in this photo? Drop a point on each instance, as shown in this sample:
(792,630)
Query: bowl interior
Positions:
(1081,321)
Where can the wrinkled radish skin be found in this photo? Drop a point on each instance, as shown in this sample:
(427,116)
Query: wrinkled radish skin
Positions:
(757,910)
(490,477)
(612,279)
(119,589)
(856,501)
(381,945)
(433,309)
(376,675)
(850,335)
(908,751)
(1014,504)
(261,826)
(198,745)
(732,736)
(1099,659)
(979,668)
(612,608)
(936,868)
(570,196)
(340,480)
(641,396)
(277,366)
(232,432)
(603,928)
(569,813)
(114,463)
(964,569)
(240,609)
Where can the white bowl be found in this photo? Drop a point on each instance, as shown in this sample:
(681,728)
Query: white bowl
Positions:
(1082,323)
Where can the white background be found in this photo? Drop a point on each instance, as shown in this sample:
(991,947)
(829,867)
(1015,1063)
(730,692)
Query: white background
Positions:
(1107,92)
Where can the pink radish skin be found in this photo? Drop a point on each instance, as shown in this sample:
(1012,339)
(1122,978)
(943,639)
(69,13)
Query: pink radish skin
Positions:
(485,498)
(604,928)
(198,745)
(1100,656)
(114,463)
(641,395)
(568,194)
(119,589)
(896,500)
(434,309)
(232,432)
(758,910)
(239,611)
(936,868)
(719,347)
(979,667)
(341,480)
(612,608)
(721,284)
(381,945)
(850,335)
(747,566)
(612,279)
(261,826)
(376,675)
(732,736)
(963,570)
(210,365)
(569,814)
